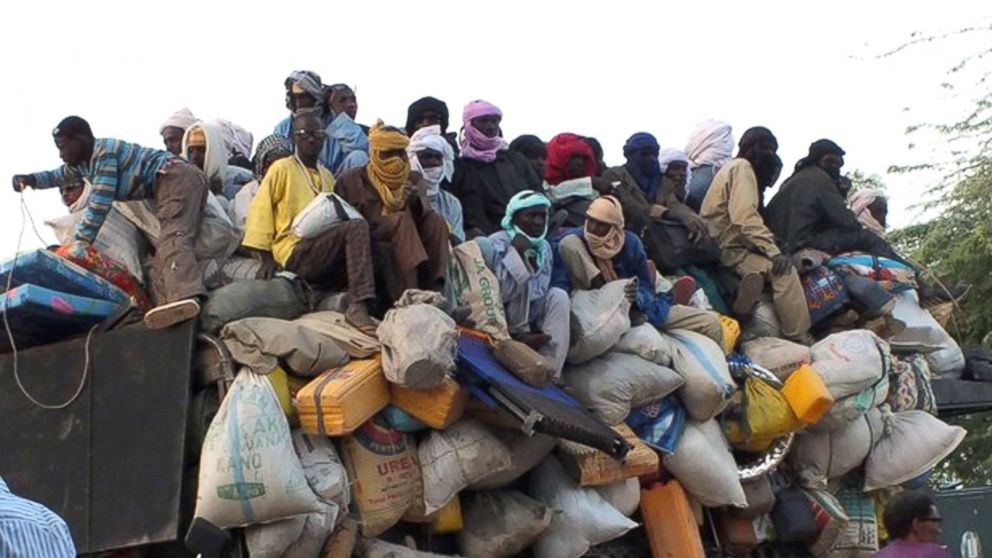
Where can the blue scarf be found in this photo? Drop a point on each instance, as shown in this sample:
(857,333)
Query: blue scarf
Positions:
(539,248)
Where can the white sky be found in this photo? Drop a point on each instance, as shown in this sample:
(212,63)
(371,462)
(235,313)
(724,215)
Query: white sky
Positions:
(607,69)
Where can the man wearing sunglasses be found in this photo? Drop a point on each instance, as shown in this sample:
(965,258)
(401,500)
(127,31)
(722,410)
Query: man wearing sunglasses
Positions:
(913,522)
(347,144)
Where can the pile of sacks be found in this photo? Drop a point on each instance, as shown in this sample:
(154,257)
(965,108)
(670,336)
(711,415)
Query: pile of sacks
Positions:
(332,443)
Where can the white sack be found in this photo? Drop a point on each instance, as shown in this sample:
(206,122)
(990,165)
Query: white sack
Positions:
(613,384)
(704,465)
(602,316)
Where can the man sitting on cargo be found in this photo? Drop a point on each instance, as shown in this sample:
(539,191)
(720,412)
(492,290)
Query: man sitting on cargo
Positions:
(410,239)
(521,258)
(602,251)
(125,171)
(341,254)
(732,210)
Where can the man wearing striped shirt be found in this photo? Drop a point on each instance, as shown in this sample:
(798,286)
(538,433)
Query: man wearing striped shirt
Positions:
(125,171)
(29,529)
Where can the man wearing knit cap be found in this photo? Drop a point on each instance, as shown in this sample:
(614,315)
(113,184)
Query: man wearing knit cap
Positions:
(809,210)
(347,145)
(409,238)
(602,251)
(174,127)
(487,175)
(732,210)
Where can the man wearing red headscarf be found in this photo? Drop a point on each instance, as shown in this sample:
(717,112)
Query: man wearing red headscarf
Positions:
(570,177)
(569,156)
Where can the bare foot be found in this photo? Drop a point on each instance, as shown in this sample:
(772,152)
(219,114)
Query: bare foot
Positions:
(357,315)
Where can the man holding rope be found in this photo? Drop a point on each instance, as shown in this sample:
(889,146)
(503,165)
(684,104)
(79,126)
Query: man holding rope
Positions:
(121,171)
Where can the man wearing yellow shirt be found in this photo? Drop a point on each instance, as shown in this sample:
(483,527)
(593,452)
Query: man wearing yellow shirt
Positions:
(343,254)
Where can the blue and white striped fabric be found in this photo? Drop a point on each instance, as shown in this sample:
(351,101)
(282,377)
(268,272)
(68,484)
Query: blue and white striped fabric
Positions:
(30,530)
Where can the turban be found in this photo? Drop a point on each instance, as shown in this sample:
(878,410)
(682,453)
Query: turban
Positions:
(711,143)
(647,174)
(389,176)
(429,137)
(753,136)
(670,155)
(860,201)
(605,210)
(308,82)
(196,137)
(529,146)
(237,140)
(270,146)
(640,140)
(817,150)
(426,104)
(182,119)
(476,145)
(561,148)
(539,248)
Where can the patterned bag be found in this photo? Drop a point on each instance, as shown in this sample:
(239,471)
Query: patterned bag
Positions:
(910,385)
(826,293)
(111,270)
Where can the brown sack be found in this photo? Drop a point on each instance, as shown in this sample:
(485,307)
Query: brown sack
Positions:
(523,361)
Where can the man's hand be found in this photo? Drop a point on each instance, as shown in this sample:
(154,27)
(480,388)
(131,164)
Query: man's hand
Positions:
(657,211)
(630,292)
(781,264)
(697,229)
(604,186)
(269,265)
(20,181)
(415,189)
(521,243)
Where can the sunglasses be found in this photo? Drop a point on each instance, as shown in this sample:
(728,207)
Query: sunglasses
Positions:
(316,134)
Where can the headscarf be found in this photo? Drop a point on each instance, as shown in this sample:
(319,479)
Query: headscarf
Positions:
(308,82)
(529,146)
(476,145)
(670,155)
(276,144)
(215,159)
(196,137)
(753,136)
(525,199)
(427,104)
(389,176)
(182,119)
(818,149)
(711,143)
(607,210)
(237,140)
(560,149)
(429,137)
(860,201)
(647,176)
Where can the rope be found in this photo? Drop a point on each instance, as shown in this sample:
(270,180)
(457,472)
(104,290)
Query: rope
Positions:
(26,218)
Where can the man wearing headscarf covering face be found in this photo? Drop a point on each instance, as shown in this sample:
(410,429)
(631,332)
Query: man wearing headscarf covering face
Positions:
(409,238)
(487,175)
(346,146)
(571,179)
(603,251)
(809,210)
(174,127)
(338,256)
(732,210)
(269,150)
(675,172)
(430,111)
(205,146)
(521,258)
(432,157)
(647,198)
(710,147)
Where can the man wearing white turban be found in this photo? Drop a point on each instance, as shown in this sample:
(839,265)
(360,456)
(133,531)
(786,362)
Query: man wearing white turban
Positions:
(709,148)
(173,129)
(432,156)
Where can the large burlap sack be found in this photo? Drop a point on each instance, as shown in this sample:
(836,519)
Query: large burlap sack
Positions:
(913,443)
(473,285)
(623,495)
(818,457)
(763,323)
(385,475)
(118,239)
(325,473)
(261,344)
(501,523)
(525,453)
(847,410)
(780,356)
(249,472)
(613,384)
(708,384)
(924,334)
(600,317)
(302,536)
(646,342)
(704,465)
(452,459)
(280,298)
(375,548)
(418,343)
(582,518)
(850,361)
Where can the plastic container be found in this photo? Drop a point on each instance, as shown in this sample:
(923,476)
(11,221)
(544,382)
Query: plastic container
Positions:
(807,394)
(669,522)
(731,333)
(438,408)
(448,519)
(735,532)
(338,401)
